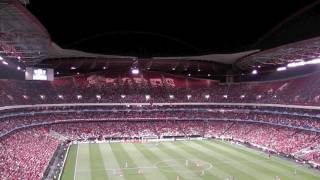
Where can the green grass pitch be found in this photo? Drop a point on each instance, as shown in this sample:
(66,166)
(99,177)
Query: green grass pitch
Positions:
(194,160)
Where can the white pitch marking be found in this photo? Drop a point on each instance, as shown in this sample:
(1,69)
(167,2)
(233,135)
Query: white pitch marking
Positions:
(75,167)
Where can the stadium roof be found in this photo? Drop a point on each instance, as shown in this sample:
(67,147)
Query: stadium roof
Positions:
(23,39)
(281,56)
(219,58)
(56,52)
(22,36)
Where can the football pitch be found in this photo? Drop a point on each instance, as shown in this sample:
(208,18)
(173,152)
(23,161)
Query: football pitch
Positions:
(194,160)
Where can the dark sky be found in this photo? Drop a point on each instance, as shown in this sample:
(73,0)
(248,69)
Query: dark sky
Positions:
(163,28)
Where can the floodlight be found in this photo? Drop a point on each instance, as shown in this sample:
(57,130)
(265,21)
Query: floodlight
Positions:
(135,71)
(296,64)
(281,68)
(98,96)
(188,96)
(79,96)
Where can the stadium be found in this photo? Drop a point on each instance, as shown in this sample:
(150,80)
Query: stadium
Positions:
(142,105)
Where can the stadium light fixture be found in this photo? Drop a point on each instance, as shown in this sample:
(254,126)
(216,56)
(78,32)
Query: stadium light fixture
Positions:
(296,64)
(242,96)
(207,96)
(5,62)
(147,97)
(104,67)
(189,74)
(98,96)
(57,73)
(199,70)
(1,58)
(42,96)
(18,68)
(173,69)
(79,96)
(60,96)
(281,68)
(314,61)
(135,71)
(225,96)
(259,66)
(78,73)
(171,96)
(189,96)
(209,75)
(254,72)
(19,57)
(123,96)
(73,68)
(25,97)
(259,97)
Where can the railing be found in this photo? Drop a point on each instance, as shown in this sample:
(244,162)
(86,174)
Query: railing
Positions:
(161,104)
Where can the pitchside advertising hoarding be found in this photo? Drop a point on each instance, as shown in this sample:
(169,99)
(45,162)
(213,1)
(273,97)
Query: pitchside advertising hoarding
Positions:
(39,74)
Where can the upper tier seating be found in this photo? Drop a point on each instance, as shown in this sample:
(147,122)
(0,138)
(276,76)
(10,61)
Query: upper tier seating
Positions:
(99,88)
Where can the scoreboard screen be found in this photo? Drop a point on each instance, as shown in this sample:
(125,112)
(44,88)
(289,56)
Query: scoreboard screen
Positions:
(39,74)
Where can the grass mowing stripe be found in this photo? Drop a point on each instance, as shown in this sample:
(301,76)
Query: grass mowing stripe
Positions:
(217,162)
(284,163)
(83,163)
(98,171)
(229,165)
(252,166)
(171,152)
(169,159)
(222,171)
(210,173)
(122,157)
(68,171)
(278,162)
(155,159)
(141,161)
(259,162)
(110,162)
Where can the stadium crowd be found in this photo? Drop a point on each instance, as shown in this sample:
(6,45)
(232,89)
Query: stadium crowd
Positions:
(10,123)
(26,154)
(101,89)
